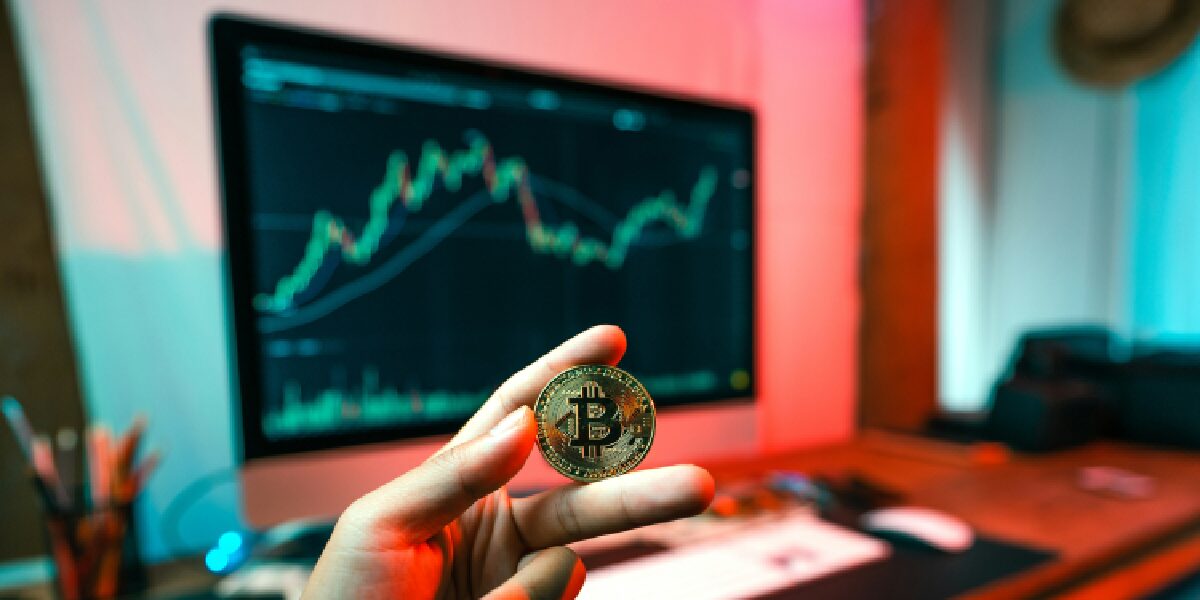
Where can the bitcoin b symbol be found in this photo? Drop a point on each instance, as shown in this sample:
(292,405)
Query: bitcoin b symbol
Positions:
(584,413)
(587,422)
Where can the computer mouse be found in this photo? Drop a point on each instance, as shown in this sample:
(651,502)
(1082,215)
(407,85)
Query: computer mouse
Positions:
(930,527)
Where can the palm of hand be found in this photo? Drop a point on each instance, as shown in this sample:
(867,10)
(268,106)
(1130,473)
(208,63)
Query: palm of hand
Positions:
(471,556)
(483,548)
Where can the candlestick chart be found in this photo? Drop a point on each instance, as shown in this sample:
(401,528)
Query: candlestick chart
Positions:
(408,241)
(406,188)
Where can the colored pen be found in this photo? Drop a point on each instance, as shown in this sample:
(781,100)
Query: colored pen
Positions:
(66,443)
(99,466)
(44,468)
(15,416)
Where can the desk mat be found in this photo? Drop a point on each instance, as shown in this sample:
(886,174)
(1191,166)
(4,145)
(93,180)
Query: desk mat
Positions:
(909,573)
(917,573)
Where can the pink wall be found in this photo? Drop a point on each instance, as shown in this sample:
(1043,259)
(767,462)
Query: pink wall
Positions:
(122,111)
(810,104)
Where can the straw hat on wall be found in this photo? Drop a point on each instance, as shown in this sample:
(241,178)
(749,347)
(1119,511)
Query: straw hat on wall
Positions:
(1111,43)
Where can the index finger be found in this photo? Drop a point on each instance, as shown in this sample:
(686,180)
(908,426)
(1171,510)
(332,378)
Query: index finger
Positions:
(601,344)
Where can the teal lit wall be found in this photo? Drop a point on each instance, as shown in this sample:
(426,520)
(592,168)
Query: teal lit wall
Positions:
(1165,220)
(1089,211)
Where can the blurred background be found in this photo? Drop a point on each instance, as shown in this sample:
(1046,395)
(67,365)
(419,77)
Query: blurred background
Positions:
(972,225)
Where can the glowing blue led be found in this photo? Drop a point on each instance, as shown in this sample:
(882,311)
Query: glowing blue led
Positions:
(216,560)
(230,542)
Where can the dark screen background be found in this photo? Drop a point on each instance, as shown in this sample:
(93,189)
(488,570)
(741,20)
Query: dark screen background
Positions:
(412,340)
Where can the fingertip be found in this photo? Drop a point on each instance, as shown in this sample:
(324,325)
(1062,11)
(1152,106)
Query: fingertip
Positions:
(699,486)
(526,418)
(613,334)
(578,577)
(528,433)
(519,419)
(612,338)
(516,436)
(555,573)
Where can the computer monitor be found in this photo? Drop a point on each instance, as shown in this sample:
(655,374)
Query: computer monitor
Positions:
(405,229)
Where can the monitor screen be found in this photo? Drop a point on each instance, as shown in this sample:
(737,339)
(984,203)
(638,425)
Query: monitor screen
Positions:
(404,230)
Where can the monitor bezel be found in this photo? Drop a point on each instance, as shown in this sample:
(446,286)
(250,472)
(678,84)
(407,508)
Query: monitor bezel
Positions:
(227,35)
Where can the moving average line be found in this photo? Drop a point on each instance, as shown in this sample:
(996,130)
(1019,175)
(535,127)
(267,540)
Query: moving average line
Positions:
(390,268)
(501,179)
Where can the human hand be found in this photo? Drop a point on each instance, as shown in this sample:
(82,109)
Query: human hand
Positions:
(448,528)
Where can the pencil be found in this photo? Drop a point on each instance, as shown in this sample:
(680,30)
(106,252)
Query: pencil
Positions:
(133,485)
(44,494)
(67,456)
(15,416)
(43,466)
(127,446)
(99,466)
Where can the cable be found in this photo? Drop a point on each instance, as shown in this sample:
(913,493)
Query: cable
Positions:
(172,516)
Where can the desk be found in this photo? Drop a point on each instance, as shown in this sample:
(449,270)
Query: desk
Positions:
(1107,548)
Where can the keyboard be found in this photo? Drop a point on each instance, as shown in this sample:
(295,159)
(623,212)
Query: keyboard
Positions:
(703,558)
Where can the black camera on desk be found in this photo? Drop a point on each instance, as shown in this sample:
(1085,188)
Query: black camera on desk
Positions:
(1066,387)
(1160,401)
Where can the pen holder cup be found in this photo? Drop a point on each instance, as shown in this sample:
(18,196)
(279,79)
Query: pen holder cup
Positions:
(95,551)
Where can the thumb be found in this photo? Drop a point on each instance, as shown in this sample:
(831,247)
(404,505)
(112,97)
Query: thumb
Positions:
(427,498)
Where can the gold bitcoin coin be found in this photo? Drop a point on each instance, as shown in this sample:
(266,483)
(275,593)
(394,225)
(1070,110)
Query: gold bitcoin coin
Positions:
(594,421)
